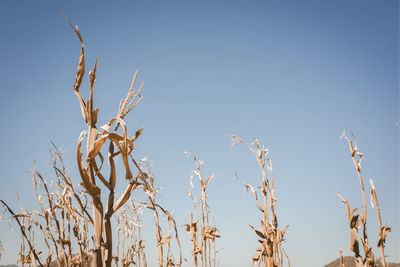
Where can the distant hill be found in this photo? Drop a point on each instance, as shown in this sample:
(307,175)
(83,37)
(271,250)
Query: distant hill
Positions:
(349,261)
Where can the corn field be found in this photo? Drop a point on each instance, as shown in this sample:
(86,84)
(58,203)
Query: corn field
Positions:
(91,225)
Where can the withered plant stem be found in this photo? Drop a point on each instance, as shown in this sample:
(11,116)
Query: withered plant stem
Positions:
(23,232)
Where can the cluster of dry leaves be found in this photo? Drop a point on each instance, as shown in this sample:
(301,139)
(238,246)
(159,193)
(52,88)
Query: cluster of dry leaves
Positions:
(368,260)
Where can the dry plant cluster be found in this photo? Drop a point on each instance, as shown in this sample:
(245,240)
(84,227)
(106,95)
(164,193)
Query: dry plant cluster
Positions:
(368,258)
(270,252)
(207,233)
(75,223)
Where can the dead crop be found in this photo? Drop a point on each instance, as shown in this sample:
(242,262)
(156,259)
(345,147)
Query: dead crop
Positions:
(207,233)
(367,258)
(269,254)
(61,223)
(77,225)
(68,214)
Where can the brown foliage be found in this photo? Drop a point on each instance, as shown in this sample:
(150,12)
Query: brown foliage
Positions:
(269,254)
(368,260)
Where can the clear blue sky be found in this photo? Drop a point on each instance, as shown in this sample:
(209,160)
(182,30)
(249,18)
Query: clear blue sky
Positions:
(292,73)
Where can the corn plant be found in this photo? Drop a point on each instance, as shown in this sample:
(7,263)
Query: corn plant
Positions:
(354,219)
(120,145)
(383,230)
(162,240)
(61,223)
(64,216)
(270,253)
(208,233)
(130,246)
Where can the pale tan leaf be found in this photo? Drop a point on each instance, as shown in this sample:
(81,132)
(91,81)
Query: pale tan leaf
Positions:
(166,239)
(97,146)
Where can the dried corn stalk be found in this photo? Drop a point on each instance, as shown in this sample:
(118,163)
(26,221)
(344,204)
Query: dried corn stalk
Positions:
(354,219)
(383,230)
(208,233)
(120,144)
(130,246)
(64,218)
(161,239)
(61,221)
(269,254)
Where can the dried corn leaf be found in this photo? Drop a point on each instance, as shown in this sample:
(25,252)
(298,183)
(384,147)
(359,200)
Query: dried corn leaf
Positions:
(81,65)
(197,250)
(92,75)
(113,175)
(125,196)
(80,73)
(259,233)
(382,235)
(281,233)
(166,239)
(256,257)
(123,147)
(98,144)
(209,179)
(354,245)
(187,227)
(92,189)
(211,233)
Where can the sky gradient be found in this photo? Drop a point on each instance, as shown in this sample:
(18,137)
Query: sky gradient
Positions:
(294,74)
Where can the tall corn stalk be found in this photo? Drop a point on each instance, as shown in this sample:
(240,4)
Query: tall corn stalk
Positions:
(270,253)
(162,239)
(208,233)
(64,217)
(120,144)
(354,219)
